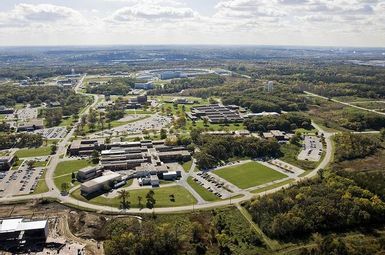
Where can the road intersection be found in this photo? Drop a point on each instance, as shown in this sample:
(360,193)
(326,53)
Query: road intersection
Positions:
(241,195)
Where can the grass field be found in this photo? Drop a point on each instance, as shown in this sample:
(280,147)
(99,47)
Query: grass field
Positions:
(273,186)
(65,169)
(39,163)
(249,174)
(162,196)
(204,193)
(34,152)
(187,165)
(41,186)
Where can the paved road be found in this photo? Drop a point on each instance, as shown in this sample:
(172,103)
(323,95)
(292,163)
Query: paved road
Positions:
(55,192)
(347,104)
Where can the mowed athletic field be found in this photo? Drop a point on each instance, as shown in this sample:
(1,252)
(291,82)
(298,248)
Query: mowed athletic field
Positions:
(249,174)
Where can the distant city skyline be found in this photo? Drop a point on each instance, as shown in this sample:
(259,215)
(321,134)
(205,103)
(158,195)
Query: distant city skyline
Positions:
(354,23)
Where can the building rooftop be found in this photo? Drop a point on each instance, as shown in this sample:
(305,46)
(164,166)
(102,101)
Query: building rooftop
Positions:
(109,176)
(19,224)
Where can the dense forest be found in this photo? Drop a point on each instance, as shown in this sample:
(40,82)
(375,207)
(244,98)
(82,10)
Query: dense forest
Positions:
(20,140)
(214,149)
(352,146)
(71,102)
(212,232)
(284,122)
(204,81)
(116,86)
(325,203)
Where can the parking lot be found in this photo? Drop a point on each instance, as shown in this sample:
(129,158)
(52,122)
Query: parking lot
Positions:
(27,113)
(20,182)
(312,149)
(53,133)
(212,184)
(154,122)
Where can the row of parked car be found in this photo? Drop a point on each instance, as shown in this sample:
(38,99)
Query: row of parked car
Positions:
(212,180)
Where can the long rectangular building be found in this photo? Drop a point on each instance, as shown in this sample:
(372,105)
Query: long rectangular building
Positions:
(216,113)
(17,232)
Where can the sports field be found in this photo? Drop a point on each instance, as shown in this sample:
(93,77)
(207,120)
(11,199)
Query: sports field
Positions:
(249,174)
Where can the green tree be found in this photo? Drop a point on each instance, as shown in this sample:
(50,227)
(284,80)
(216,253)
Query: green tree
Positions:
(150,199)
(95,157)
(123,195)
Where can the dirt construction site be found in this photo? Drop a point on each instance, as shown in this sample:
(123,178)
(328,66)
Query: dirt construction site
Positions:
(70,231)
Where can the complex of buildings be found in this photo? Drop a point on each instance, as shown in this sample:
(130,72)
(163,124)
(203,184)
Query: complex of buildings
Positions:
(85,147)
(149,161)
(18,233)
(216,113)
(280,136)
(67,82)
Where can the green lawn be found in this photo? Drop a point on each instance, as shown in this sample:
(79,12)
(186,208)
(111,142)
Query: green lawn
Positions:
(162,197)
(66,122)
(273,186)
(41,185)
(249,174)
(67,167)
(187,165)
(290,153)
(204,193)
(39,163)
(64,170)
(34,152)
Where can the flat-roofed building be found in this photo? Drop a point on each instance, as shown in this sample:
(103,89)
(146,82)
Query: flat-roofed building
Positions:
(216,113)
(18,232)
(30,125)
(154,180)
(85,147)
(104,182)
(87,173)
(6,110)
(6,162)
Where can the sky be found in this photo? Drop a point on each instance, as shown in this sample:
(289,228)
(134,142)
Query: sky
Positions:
(354,23)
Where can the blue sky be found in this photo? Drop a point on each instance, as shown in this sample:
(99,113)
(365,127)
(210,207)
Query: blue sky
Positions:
(256,22)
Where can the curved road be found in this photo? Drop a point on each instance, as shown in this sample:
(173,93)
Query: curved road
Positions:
(55,193)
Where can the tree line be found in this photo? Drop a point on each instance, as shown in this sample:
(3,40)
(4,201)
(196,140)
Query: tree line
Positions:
(216,149)
(284,122)
(20,140)
(325,203)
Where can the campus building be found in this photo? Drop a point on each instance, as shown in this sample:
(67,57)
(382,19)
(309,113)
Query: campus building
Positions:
(216,113)
(6,162)
(144,85)
(19,232)
(280,136)
(85,147)
(129,155)
(30,125)
(104,182)
(6,110)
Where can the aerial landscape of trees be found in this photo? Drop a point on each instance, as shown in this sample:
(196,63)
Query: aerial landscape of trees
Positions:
(214,149)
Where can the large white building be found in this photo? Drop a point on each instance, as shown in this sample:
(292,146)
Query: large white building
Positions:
(19,232)
(105,181)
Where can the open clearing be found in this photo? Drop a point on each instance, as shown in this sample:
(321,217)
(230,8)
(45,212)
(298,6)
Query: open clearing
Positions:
(249,174)
(163,197)
(64,170)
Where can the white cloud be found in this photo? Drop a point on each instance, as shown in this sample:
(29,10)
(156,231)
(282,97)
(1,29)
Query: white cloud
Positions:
(41,14)
(151,12)
(174,21)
